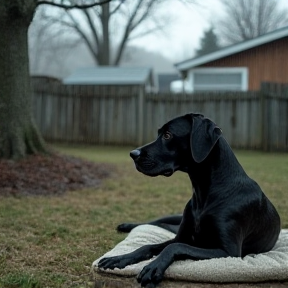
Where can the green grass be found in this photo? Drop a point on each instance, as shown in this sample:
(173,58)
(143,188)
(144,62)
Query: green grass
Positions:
(52,241)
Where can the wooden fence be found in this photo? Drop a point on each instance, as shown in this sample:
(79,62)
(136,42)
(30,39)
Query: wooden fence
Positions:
(274,117)
(129,116)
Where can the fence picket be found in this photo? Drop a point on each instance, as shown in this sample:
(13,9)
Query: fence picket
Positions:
(113,115)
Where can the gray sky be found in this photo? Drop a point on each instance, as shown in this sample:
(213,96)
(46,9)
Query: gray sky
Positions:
(189,22)
(178,42)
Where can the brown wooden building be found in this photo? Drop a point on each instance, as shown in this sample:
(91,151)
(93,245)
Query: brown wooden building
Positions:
(240,67)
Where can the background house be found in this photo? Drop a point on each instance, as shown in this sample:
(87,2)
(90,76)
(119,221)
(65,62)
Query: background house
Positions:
(114,76)
(165,80)
(240,67)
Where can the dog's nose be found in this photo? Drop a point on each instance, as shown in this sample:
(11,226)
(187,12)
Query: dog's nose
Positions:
(135,154)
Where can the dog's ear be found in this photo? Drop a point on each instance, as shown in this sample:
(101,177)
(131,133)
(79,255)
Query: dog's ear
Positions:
(203,137)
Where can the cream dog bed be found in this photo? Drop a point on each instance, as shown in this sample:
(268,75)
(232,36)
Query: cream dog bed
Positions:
(269,266)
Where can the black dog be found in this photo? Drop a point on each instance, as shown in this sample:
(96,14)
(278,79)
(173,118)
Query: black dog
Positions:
(228,214)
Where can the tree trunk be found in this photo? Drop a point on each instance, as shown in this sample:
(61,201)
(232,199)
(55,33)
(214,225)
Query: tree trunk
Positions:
(104,55)
(18,133)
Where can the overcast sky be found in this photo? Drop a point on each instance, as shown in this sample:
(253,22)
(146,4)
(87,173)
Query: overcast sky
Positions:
(186,29)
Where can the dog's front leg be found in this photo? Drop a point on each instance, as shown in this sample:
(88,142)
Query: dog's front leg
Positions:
(153,273)
(140,254)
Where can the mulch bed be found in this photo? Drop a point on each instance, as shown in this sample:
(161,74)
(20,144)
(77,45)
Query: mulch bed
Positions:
(50,175)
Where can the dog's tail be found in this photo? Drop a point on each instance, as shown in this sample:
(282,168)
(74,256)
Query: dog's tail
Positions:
(170,223)
(126,227)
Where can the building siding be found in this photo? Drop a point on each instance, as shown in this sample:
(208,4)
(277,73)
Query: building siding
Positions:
(265,63)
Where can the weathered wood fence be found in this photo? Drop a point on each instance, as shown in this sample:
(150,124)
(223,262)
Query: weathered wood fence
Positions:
(129,116)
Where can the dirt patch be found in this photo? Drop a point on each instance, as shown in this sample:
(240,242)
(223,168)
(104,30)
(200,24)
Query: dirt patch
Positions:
(50,175)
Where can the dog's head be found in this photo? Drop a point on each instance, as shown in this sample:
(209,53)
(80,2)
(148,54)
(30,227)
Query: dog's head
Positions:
(181,142)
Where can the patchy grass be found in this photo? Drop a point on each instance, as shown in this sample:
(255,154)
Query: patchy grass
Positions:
(52,241)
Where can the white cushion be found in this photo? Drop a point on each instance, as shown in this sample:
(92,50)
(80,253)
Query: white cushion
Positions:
(269,266)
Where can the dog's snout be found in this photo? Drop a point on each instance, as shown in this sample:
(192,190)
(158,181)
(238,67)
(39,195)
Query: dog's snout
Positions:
(135,154)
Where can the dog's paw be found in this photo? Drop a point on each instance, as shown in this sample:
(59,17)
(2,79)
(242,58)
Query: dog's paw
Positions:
(114,262)
(151,275)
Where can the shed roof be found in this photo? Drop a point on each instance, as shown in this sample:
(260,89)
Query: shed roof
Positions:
(106,75)
(233,49)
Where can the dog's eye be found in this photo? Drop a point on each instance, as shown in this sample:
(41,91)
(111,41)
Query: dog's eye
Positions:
(167,135)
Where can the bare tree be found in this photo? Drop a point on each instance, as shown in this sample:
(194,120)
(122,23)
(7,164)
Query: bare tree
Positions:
(48,46)
(246,19)
(18,133)
(107,29)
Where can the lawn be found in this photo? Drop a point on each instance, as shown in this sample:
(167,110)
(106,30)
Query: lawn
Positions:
(52,241)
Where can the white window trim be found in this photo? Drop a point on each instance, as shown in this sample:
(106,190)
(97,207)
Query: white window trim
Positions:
(242,70)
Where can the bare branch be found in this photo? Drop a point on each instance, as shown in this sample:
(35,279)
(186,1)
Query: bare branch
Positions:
(133,15)
(83,35)
(76,6)
(127,32)
(146,32)
(149,7)
(100,30)
(91,25)
(116,8)
(248,19)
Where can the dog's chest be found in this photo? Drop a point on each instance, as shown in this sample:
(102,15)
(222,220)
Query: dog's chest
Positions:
(203,229)
(197,221)
(198,224)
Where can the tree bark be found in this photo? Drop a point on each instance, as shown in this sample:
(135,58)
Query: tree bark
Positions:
(104,50)
(18,133)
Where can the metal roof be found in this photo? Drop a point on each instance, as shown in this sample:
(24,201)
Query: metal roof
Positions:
(107,75)
(233,49)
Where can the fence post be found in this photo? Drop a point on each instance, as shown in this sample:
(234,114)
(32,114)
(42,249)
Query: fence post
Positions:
(264,115)
(140,115)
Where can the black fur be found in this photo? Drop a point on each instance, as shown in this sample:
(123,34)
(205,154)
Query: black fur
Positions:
(228,214)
